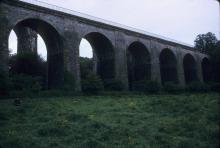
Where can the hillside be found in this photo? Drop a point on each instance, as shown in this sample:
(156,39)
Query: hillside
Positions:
(181,121)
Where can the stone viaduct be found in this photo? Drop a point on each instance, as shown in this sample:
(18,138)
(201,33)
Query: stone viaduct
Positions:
(122,53)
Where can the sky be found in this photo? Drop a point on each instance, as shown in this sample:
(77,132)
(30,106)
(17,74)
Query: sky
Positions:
(181,20)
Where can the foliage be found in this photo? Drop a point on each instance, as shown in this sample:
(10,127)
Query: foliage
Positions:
(86,67)
(197,87)
(152,87)
(208,43)
(21,82)
(27,63)
(92,84)
(175,121)
(172,87)
(114,85)
(205,42)
(147,86)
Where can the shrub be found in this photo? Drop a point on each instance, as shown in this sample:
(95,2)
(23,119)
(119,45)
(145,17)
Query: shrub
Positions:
(112,84)
(27,63)
(146,86)
(152,87)
(36,87)
(23,82)
(172,87)
(86,67)
(92,84)
(197,87)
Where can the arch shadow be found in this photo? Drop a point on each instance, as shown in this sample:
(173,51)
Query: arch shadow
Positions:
(138,63)
(190,69)
(103,55)
(206,70)
(168,66)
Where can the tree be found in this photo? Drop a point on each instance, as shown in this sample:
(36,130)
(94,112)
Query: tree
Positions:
(206,42)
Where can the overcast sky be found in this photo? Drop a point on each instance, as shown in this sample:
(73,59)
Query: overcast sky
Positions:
(181,20)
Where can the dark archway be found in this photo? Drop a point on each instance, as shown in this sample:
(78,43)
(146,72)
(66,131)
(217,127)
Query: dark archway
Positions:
(190,70)
(103,55)
(53,41)
(138,63)
(168,66)
(206,70)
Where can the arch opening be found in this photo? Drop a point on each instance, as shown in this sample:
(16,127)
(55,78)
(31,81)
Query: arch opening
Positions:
(168,66)
(100,57)
(39,44)
(138,63)
(190,70)
(28,32)
(206,70)
(86,59)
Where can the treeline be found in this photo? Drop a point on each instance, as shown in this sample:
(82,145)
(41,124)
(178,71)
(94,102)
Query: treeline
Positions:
(208,43)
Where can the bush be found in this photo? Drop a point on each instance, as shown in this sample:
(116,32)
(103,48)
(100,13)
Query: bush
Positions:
(146,86)
(27,63)
(172,87)
(114,85)
(86,67)
(92,84)
(36,87)
(23,82)
(197,87)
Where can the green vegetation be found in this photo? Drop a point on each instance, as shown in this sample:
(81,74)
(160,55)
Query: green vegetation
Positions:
(92,84)
(113,85)
(209,44)
(172,87)
(206,42)
(147,86)
(155,121)
(197,87)
(86,67)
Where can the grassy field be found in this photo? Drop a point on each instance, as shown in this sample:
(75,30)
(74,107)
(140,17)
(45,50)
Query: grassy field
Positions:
(154,121)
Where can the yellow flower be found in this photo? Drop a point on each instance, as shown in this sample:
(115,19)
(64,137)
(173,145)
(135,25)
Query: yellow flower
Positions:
(131,105)
(91,117)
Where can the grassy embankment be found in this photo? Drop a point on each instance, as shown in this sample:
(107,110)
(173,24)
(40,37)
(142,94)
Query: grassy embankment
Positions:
(153,121)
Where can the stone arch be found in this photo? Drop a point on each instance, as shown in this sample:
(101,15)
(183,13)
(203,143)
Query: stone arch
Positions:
(138,63)
(54,45)
(168,66)
(190,69)
(206,69)
(109,35)
(103,55)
